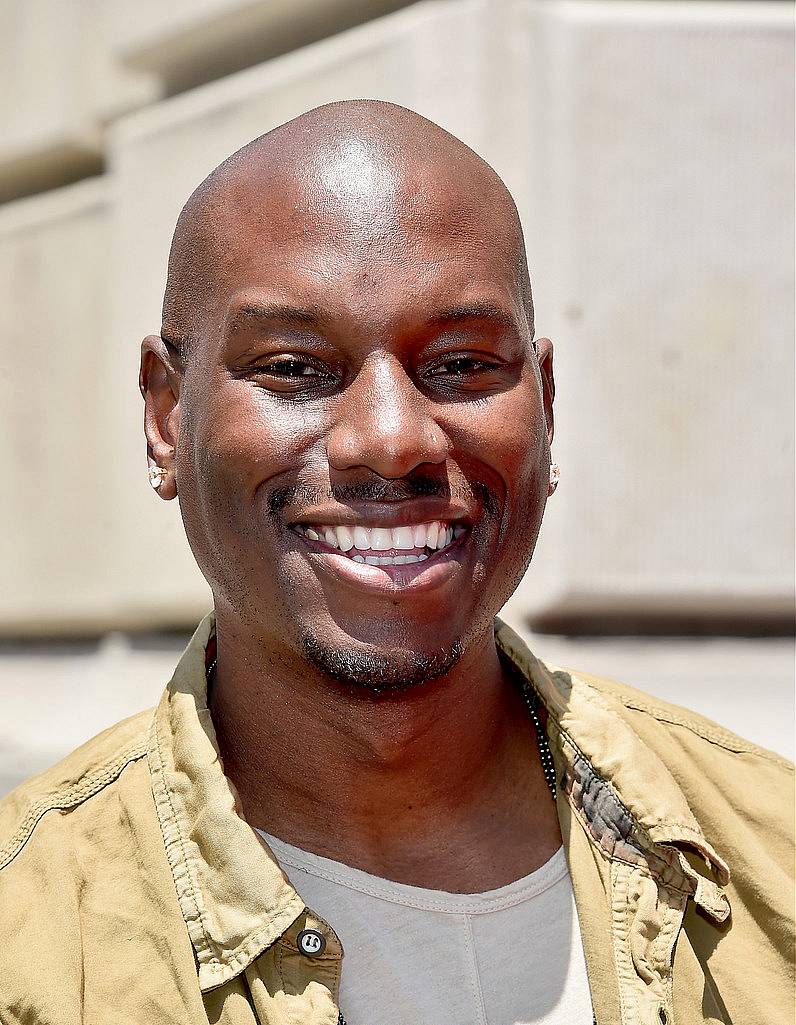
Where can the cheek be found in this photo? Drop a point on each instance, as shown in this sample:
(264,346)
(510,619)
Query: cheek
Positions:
(508,434)
(523,444)
(527,454)
(248,437)
(239,441)
(523,437)
(521,456)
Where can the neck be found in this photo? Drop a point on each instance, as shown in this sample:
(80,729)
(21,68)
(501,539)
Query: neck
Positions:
(439,785)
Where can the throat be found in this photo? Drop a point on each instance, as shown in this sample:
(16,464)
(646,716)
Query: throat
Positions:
(440,787)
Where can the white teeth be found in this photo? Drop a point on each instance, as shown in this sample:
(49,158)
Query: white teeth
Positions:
(380,539)
(444,537)
(361,539)
(403,537)
(345,539)
(389,560)
(432,535)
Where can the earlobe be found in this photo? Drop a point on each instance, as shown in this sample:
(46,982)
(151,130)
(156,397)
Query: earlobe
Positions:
(555,476)
(157,475)
(159,382)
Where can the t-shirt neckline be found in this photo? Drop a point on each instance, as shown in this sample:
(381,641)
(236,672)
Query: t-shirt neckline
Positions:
(516,892)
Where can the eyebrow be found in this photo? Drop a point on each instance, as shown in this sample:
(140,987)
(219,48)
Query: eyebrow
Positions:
(311,316)
(474,311)
(295,315)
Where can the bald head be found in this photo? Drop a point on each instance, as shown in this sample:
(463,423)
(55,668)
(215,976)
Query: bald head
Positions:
(354,292)
(367,176)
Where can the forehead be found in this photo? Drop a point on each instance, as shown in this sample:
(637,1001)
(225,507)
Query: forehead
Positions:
(357,232)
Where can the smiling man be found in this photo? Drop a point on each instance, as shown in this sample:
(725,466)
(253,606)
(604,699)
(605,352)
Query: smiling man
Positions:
(361,797)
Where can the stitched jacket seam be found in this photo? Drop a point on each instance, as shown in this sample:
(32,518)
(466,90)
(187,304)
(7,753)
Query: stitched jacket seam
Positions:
(71,797)
(638,830)
(242,955)
(181,845)
(565,736)
(719,739)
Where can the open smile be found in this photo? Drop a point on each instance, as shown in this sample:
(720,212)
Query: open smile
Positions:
(410,558)
(384,546)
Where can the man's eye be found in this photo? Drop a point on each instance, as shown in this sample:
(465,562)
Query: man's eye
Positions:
(290,368)
(459,365)
(290,374)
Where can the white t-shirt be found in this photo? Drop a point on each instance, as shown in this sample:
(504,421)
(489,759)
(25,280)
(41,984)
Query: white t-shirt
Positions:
(425,957)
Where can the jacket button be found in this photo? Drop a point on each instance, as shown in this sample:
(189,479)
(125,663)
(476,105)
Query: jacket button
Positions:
(311,943)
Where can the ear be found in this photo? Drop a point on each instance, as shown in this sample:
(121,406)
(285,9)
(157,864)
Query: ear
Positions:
(544,352)
(159,380)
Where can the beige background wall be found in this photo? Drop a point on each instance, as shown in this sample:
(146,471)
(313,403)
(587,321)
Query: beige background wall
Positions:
(650,149)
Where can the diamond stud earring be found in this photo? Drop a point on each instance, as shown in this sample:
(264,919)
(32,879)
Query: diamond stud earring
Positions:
(555,476)
(156,476)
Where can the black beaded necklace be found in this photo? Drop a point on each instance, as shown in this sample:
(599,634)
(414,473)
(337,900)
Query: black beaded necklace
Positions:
(532,703)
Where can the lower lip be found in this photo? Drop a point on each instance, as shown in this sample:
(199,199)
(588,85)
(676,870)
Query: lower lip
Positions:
(389,581)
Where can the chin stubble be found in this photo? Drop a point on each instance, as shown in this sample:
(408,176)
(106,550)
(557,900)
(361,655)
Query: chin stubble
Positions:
(382,672)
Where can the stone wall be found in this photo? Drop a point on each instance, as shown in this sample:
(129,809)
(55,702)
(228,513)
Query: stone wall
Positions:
(650,149)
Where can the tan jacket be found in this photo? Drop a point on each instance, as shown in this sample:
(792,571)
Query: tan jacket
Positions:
(132,893)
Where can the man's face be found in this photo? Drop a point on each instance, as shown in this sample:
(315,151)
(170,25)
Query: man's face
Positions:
(363,453)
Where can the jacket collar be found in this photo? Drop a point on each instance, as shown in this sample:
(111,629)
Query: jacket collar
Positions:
(235,899)
(627,798)
(233,896)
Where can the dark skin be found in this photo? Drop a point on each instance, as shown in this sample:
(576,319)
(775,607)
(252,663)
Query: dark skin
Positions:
(348,339)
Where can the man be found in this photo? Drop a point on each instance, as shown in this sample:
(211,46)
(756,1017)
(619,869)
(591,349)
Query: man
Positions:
(353,754)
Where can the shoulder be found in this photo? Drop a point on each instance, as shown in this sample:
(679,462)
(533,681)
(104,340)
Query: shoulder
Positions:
(80,852)
(689,744)
(741,795)
(662,722)
(72,782)
(665,721)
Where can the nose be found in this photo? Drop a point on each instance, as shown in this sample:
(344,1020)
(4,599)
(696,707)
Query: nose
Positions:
(385,423)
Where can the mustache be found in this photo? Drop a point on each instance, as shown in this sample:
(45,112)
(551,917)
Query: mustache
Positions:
(379,489)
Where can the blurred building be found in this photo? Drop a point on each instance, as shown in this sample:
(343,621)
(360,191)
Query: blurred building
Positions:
(649,146)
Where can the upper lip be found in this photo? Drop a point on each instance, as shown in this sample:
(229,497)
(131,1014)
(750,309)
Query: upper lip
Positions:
(384,514)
